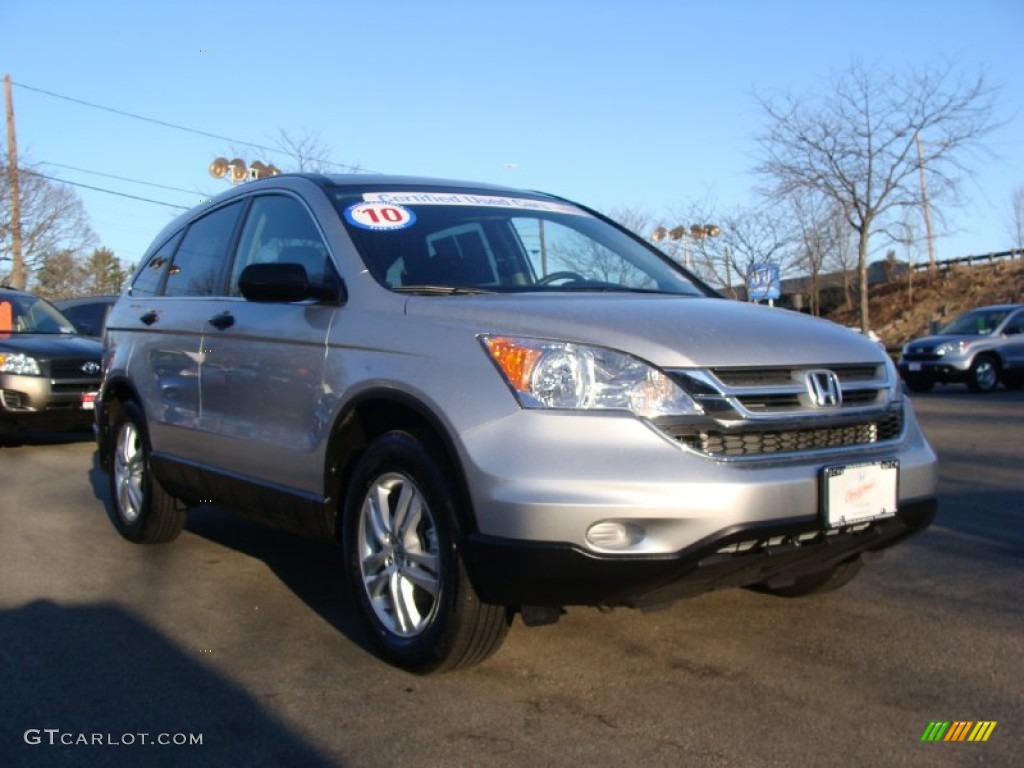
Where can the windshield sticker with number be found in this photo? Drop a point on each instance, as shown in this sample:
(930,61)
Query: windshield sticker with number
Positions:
(379,216)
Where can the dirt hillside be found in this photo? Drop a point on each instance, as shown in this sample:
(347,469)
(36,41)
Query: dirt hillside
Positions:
(901,310)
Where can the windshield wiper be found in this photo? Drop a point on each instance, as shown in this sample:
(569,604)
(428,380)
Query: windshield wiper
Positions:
(442,290)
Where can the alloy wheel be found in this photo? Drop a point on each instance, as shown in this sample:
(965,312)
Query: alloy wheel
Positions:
(398,555)
(129,472)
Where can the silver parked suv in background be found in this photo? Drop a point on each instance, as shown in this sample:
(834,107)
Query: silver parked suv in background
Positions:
(979,348)
(497,402)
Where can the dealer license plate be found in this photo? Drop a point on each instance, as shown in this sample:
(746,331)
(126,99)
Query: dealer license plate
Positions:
(88,401)
(913,366)
(856,493)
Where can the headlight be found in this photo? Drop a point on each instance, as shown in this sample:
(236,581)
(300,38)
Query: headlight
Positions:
(556,374)
(952,347)
(20,364)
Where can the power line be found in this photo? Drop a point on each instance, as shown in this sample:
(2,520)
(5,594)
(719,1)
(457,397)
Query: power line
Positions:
(100,189)
(124,178)
(352,168)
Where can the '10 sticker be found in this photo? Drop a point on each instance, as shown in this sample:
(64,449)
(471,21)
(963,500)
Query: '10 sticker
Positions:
(379,216)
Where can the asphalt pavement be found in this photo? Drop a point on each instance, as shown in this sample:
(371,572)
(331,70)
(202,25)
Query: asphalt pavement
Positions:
(238,645)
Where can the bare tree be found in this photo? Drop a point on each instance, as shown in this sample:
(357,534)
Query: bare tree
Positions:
(639,222)
(53,220)
(750,237)
(306,151)
(856,145)
(1017,218)
(811,217)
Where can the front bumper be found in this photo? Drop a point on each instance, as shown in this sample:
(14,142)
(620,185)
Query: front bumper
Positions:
(530,573)
(39,401)
(540,480)
(952,369)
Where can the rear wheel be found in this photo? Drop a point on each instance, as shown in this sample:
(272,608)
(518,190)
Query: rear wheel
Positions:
(983,375)
(405,570)
(816,583)
(143,511)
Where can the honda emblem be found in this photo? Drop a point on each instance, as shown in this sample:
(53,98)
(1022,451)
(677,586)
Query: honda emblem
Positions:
(824,389)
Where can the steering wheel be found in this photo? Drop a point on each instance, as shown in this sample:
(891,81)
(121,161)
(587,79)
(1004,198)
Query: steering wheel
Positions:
(573,277)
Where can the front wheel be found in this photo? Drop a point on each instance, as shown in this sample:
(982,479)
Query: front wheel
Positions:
(143,511)
(405,570)
(983,375)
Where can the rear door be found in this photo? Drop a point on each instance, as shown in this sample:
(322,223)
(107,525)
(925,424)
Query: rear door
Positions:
(167,306)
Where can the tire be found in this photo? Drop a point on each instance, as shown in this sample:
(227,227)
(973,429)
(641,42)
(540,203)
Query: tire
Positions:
(143,511)
(402,555)
(919,383)
(983,375)
(816,583)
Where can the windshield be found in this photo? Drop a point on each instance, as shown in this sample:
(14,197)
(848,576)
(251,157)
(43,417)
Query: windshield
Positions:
(432,241)
(30,314)
(977,323)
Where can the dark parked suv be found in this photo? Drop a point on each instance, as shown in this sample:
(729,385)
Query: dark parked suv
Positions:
(498,402)
(49,375)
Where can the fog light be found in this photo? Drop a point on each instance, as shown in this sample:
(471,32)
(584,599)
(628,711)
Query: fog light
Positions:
(610,534)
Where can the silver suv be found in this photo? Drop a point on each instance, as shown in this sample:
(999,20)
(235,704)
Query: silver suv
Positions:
(497,402)
(979,348)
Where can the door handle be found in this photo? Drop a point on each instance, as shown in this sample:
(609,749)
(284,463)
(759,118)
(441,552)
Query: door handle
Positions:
(222,321)
(149,318)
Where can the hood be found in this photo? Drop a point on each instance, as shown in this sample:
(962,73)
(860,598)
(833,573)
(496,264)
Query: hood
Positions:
(50,346)
(668,331)
(928,343)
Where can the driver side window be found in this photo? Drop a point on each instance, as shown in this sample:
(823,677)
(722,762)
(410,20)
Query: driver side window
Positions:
(280,229)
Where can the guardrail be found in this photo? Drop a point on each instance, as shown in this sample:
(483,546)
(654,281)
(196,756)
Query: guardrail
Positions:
(971,260)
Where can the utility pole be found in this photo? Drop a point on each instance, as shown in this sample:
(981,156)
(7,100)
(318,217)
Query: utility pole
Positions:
(924,206)
(17,263)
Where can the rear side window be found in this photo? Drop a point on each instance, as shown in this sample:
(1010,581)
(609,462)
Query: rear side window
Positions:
(147,281)
(197,266)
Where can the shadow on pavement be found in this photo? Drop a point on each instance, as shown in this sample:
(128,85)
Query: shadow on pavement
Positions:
(18,438)
(96,670)
(312,570)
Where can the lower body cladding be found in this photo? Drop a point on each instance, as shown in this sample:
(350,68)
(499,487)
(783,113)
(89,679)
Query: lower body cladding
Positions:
(589,510)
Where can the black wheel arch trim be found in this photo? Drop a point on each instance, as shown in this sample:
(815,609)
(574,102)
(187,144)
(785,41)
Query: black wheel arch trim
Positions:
(336,477)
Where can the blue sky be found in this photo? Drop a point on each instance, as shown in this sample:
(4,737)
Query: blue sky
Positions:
(647,104)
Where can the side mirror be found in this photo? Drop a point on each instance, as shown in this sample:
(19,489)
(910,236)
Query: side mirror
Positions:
(286,282)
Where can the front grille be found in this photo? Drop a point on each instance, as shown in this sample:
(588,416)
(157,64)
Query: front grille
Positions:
(752,412)
(740,378)
(71,368)
(758,442)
